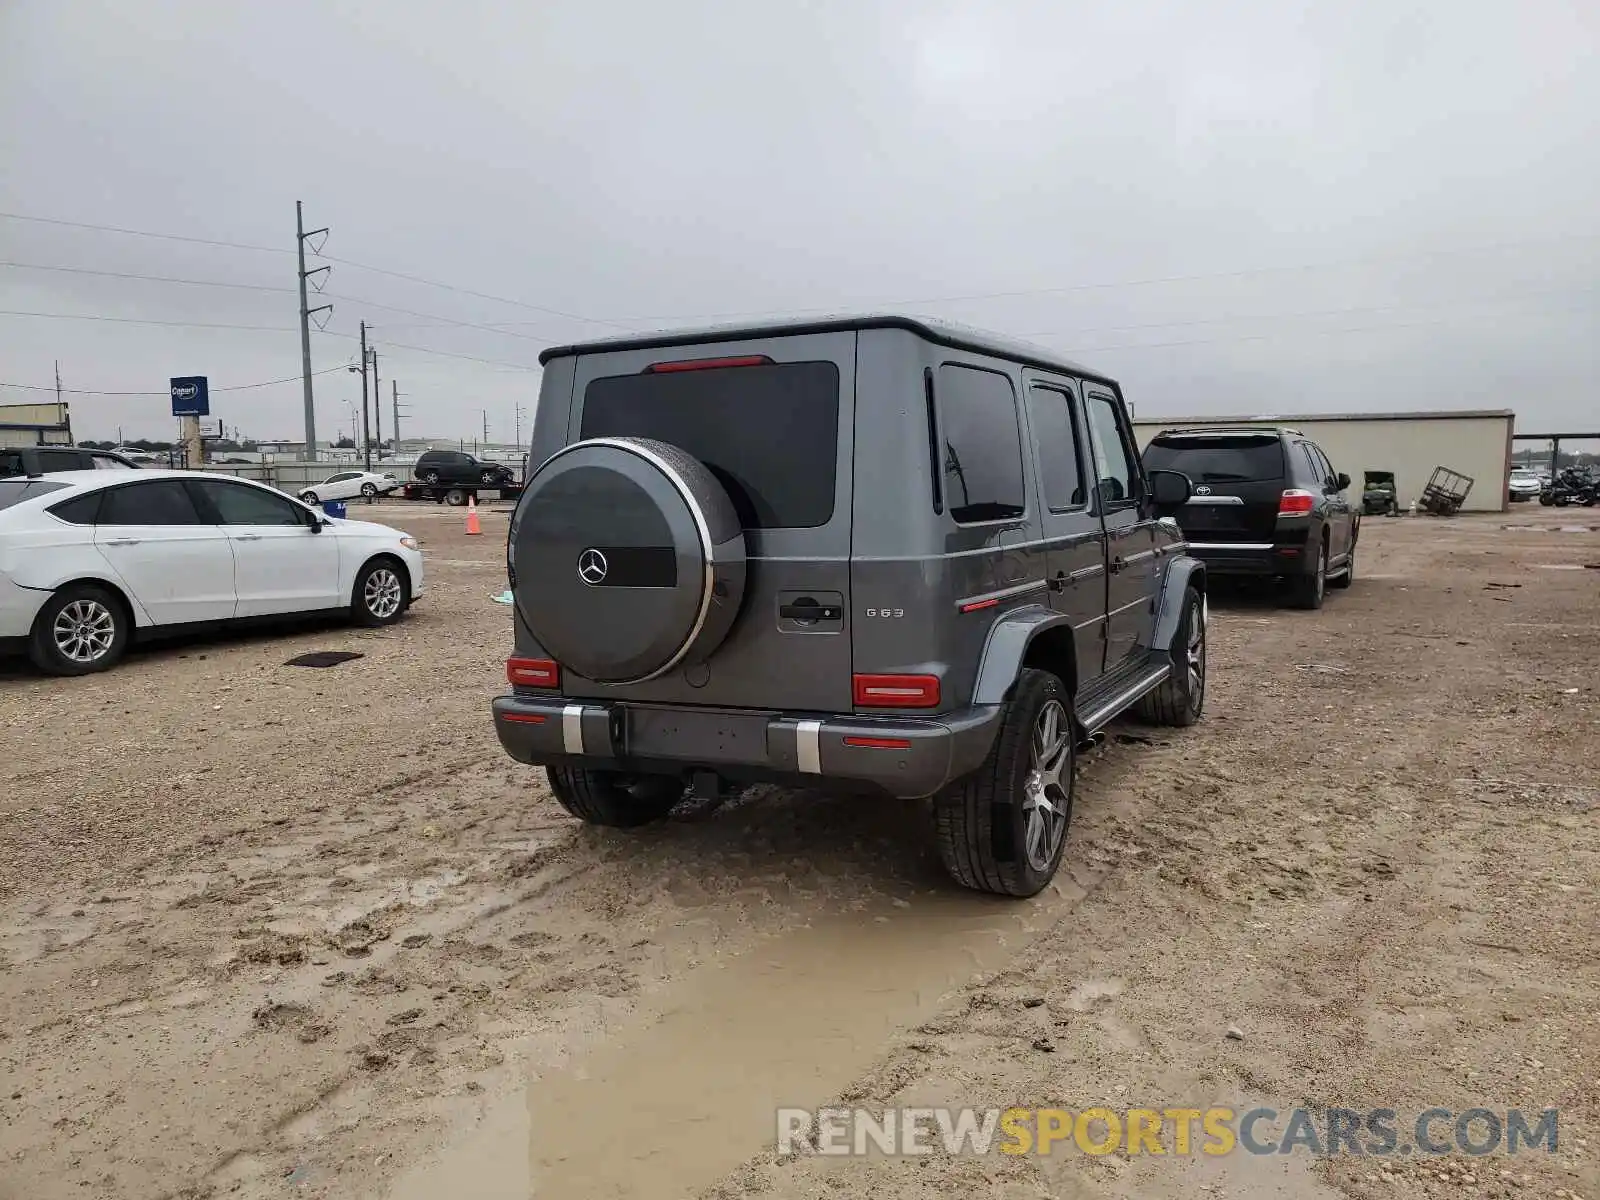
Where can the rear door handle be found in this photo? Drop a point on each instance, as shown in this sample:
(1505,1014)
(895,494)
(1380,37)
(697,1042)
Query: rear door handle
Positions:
(247,537)
(122,541)
(810,612)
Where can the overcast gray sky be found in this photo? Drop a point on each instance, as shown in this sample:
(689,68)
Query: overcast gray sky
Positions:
(1284,205)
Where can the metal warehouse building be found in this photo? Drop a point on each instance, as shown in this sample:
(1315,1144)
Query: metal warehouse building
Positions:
(1411,444)
(35,424)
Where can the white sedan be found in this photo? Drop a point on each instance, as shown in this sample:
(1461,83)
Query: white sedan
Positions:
(347,485)
(90,560)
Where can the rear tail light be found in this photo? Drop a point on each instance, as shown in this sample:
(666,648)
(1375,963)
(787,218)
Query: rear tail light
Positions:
(707,364)
(896,691)
(533,672)
(1295,503)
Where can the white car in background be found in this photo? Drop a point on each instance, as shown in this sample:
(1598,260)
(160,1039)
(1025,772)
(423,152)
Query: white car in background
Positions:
(1523,484)
(347,485)
(90,560)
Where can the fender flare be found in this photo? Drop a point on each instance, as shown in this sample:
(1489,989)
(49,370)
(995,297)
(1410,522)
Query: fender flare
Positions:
(1182,571)
(1007,647)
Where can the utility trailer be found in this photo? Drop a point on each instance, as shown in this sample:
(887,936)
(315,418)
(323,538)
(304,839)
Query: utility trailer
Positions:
(444,493)
(1445,492)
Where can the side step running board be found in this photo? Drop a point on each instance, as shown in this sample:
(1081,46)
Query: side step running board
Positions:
(1103,712)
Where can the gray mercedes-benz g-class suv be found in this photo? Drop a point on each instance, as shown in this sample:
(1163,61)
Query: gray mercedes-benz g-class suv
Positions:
(874,553)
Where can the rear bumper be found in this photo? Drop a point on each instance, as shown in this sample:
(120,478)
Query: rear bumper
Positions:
(906,757)
(18,608)
(1250,558)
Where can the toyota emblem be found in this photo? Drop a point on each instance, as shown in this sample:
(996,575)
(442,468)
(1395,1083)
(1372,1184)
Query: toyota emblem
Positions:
(592,567)
(1202,490)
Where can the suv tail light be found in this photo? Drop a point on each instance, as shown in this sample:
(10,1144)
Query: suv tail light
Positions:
(533,672)
(895,691)
(707,364)
(1295,503)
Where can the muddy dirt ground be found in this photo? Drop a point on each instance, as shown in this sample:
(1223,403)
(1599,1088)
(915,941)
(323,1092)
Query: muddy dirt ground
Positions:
(271,931)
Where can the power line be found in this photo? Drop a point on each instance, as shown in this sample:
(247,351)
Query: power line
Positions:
(166,237)
(144,321)
(450,287)
(238,387)
(1242,273)
(218,283)
(436,317)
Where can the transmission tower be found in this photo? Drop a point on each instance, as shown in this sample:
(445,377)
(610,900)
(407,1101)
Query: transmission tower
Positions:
(301,236)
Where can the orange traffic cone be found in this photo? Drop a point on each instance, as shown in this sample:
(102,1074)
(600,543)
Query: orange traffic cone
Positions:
(472,516)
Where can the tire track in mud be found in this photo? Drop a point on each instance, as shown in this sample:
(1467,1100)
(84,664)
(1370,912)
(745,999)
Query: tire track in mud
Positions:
(687,1089)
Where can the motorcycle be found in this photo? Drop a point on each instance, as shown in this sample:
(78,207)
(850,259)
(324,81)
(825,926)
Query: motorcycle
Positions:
(1571,485)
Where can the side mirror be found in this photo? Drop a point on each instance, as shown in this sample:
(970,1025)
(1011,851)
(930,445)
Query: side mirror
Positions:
(1169,490)
(1341,481)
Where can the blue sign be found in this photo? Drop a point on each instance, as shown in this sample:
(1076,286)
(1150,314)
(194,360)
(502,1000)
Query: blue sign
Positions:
(191,396)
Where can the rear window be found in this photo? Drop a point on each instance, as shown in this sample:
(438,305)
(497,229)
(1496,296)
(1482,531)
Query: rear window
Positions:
(15,492)
(770,433)
(1223,458)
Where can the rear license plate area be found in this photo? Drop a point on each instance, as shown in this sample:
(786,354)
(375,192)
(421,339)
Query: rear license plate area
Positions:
(708,737)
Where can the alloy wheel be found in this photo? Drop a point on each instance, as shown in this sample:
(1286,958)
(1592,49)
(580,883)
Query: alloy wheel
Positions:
(382,593)
(84,631)
(1195,656)
(1046,804)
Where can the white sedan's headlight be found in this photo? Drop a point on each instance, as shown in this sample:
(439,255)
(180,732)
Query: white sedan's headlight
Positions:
(410,543)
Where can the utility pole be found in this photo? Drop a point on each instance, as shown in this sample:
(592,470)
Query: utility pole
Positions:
(366,442)
(305,327)
(58,383)
(516,411)
(377,406)
(395,389)
(485,413)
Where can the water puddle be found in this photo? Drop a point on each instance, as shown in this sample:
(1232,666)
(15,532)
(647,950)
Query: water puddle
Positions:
(672,1104)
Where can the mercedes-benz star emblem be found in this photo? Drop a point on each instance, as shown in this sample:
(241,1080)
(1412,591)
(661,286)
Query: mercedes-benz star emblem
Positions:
(592,567)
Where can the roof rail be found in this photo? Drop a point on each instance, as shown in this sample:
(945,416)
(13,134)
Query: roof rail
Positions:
(1264,427)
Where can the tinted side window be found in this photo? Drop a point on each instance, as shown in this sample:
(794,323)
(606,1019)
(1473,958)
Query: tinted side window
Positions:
(163,502)
(1055,428)
(240,504)
(102,463)
(80,510)
(1322,462)
(1309,466)
(982,445)
(1118,476)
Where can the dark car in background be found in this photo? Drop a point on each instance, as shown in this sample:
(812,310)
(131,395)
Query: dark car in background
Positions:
(455,468)
(1267,502)
(38,460)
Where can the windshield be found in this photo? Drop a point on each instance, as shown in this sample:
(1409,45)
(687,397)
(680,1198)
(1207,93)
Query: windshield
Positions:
(769,433)
(15,491)
(1218,458)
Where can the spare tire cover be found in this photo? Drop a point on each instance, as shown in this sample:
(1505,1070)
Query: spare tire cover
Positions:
(629,559)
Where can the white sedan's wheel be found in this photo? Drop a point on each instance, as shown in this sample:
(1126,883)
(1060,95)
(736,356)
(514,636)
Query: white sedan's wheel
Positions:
(81,629)
(381,591)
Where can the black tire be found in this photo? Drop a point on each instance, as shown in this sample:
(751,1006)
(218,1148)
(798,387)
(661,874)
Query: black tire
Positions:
(309,498)
(613,798)
(81,629)
(1181,699)
(369,490)
(456,497)
(489,478)
(381,594)
(982,824)
(431,478)
(1307,591)
(1546,500)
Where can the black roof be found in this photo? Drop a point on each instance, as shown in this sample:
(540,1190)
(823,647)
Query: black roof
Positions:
(945,333)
